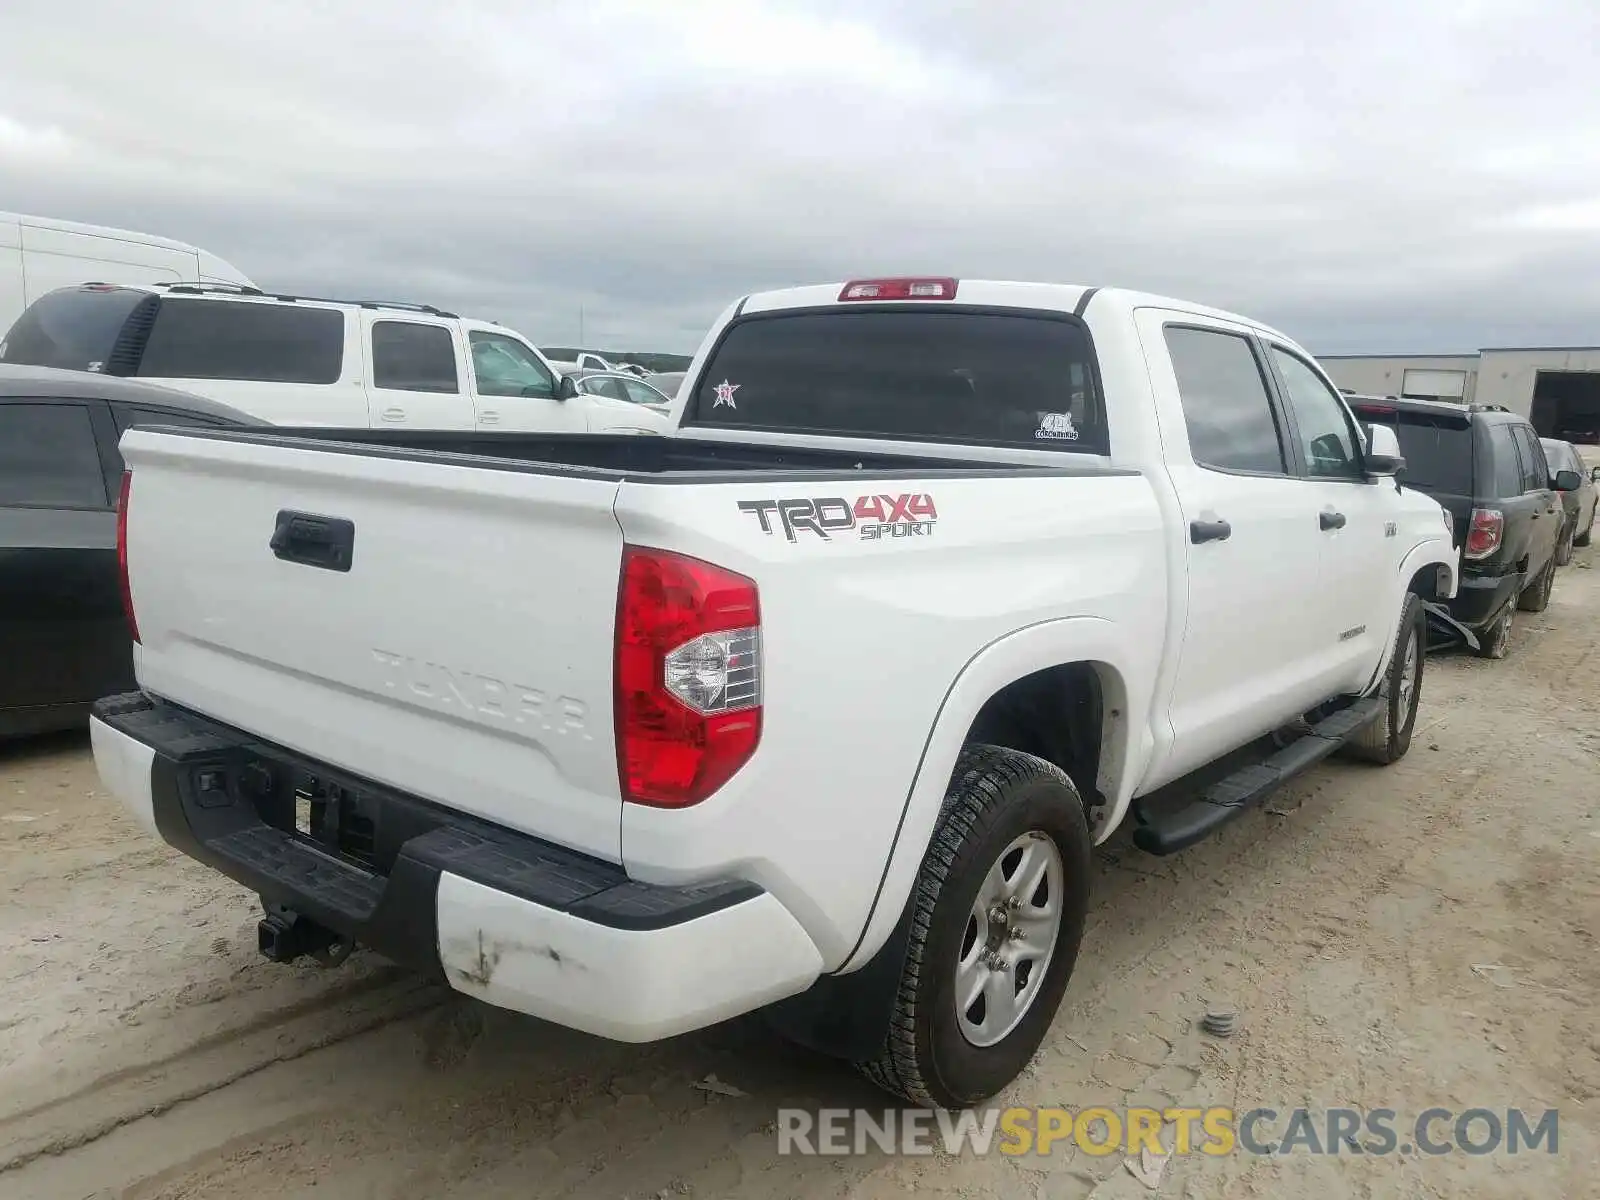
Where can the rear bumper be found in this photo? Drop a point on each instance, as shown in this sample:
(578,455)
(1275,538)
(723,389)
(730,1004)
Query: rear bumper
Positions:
(1480,598)
(514,921)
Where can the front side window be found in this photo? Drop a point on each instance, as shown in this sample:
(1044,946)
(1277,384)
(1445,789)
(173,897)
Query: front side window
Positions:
(1327,436)
(48,457)
(503,366)
(643,393)
(257,341)
(408,356)
(1225,401)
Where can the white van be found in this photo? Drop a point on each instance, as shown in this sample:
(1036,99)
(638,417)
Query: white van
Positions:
(40,254)
(305,360)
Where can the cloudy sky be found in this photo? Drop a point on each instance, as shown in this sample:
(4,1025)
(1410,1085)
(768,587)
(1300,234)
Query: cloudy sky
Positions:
(1368,175)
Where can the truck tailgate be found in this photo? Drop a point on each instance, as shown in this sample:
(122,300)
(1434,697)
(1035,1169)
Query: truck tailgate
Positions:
(463,654)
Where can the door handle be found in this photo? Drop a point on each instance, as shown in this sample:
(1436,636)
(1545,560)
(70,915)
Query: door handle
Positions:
(1209,531)
(1329,519)
(488,417)
(324,542)
(393,414)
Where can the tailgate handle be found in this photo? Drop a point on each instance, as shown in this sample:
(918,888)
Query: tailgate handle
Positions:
(325,542)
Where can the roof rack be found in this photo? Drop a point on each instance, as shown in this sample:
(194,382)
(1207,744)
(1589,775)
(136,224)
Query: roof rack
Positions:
(239,289)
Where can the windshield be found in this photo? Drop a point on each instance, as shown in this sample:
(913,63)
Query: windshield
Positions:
(1437,449)
(74,328)
(961,376)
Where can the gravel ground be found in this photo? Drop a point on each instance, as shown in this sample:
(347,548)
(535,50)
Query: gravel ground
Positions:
(1405,938)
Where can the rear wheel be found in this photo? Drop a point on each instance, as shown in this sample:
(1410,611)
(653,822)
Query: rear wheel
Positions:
(997,917)
(1496,640)
(1583,538)
(1564,550)
(1388,738)
(1536,596)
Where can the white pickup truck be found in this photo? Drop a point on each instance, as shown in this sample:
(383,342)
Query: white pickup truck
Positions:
(817,706)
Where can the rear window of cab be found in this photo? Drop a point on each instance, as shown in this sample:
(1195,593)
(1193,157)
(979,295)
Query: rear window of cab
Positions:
(974,378)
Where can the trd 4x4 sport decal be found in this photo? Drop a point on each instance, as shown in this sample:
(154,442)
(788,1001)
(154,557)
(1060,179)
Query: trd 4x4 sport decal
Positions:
(910,514)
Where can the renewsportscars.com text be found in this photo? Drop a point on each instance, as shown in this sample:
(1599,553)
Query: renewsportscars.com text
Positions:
(1209,1131)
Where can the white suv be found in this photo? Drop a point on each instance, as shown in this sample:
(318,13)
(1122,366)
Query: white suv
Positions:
(309,361)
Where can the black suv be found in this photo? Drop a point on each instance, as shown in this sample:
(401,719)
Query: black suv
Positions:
(64,642)
(1485,466)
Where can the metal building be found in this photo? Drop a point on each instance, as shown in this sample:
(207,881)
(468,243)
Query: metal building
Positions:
(1556,387)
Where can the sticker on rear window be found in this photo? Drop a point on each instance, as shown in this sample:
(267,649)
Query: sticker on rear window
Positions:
(1056,427)
(725,391)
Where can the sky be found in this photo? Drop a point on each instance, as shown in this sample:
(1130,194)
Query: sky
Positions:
(1367,176)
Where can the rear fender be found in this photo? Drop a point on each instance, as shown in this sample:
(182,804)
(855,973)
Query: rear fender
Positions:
(1126,665)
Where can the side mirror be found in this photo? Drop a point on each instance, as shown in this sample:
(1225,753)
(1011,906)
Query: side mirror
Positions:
(567,389)
(1383,453)
(1567,481)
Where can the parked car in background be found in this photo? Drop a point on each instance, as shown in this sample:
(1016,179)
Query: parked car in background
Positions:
(40,254)
(666,382)
(617,386)
(299,360)
(585,360)
(1579,502)
(626,785)
(63,640)
(1485,465)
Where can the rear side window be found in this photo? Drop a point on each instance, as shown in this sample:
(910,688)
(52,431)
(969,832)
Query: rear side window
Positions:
(973,378)
(411,357)
(260,343)
(1225,401)
(75,329)
(1535,470)
(48,457)
(1437,449)
(1507,462)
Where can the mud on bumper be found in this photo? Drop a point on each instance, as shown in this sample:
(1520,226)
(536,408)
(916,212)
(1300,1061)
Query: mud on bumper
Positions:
(497,914)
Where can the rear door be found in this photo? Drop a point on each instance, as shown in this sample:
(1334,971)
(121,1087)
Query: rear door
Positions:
(1543,501)
(63,639)
(417,373)
(1510,477)
(1354,524)
(1250,539)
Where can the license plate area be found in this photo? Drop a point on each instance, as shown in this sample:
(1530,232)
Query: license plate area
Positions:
(335,818)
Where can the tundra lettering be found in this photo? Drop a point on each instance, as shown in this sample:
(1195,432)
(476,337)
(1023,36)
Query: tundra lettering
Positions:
(482,695)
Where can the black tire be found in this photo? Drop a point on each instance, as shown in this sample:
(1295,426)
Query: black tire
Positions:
(1535,597)
(1388,738)
(996,795)
(1583,538)
(1564,547)
(1495,641)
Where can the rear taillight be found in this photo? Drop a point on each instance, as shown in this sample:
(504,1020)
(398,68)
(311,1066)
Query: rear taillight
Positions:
(122,554)
(899,289)
(688,677)
(1484,532)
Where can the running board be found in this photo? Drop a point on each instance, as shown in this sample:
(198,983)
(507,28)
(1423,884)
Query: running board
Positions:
(1168,832)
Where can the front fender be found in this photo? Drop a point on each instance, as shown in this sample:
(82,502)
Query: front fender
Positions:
(1434,551)
(1127,662)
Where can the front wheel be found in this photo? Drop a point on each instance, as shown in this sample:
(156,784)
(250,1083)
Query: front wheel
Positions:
(997,919)
(1388,738)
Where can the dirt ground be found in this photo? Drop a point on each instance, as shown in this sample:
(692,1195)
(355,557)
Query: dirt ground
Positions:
(1419,936)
